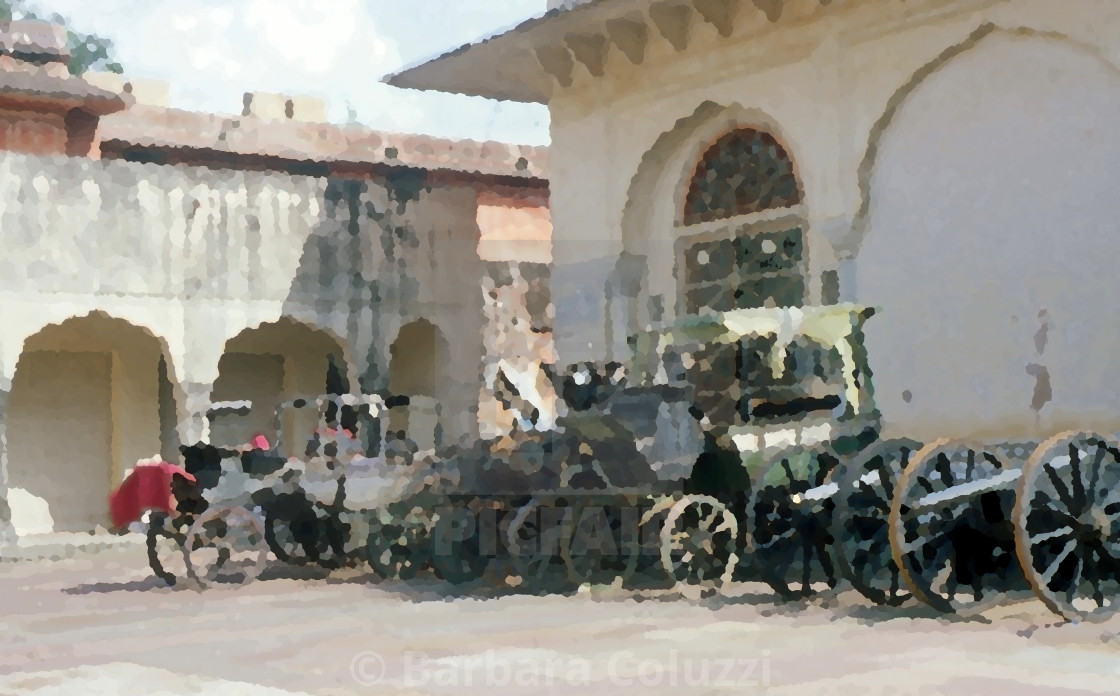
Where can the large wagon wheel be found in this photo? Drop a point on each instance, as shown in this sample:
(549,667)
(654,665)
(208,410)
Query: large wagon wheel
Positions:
(605,541)
(699,542)
(862,524)
(165,548)
(791,516)
(398,543)
(294,533)
(536,537)
(225,544)
(950,527)
(456,554)
(1067,525)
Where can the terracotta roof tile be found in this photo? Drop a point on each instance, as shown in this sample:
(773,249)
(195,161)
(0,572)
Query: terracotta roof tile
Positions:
(148,126)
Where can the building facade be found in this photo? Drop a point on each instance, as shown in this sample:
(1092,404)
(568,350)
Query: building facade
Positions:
(157,260)
(950,162)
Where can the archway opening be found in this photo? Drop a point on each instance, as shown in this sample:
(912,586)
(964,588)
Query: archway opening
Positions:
(271,364)
(418,369)
(731,252)
(90,397)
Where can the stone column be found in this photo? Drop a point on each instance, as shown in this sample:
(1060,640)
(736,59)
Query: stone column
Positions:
(194,427)
(844,236)
(7,532)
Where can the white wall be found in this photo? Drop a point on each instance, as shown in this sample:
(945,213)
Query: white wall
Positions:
(970,201)
(993,200)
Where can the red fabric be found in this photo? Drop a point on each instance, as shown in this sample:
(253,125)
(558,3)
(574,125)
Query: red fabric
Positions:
(148,487)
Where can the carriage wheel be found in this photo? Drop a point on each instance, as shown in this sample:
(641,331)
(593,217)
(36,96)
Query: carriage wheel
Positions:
(791,513)
(398,545)
(390,553)
(699,542)
(294,535)
(604,544)
(225,544)
(536,538)
(647,566)
(165,548)
(952,545)
(1067,525)
(862,525)
(454,559)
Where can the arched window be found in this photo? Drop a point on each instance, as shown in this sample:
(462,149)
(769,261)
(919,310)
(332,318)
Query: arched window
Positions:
(745,171)
(745,263)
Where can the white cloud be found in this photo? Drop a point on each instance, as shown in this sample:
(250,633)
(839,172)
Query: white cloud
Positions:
(213,51)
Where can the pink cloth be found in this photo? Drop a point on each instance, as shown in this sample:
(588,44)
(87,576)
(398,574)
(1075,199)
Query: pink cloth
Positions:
(260,442)
(148,487)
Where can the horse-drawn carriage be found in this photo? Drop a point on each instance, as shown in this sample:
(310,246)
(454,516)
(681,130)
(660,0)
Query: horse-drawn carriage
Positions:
(232,506)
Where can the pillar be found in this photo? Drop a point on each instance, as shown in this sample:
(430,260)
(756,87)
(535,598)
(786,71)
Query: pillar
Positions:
(7,532)
(194,426)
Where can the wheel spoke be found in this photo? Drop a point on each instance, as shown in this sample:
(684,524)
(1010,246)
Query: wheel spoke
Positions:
(1060,488)
(945,468)
(806,565)
(895,580)
(788,471)
(1094,578)
(1062,555)
(1072,588)
(826,561)
(886,480)
(1078,486)
(1046,536)
(1043,502)
(775,538)
(1098,463)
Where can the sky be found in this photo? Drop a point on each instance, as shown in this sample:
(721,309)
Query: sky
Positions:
(213,51)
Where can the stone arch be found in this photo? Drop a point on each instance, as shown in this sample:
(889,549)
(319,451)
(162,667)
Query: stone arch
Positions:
(91,395)
(271,362)
(653,215)
(709,179)
(866,168)
(988,221)
(419,358)
(670,162)
(654,211)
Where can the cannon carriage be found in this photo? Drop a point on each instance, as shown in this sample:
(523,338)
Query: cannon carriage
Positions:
(957,525)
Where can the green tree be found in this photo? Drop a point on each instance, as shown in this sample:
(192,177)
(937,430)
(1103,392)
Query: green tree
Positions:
(87,51)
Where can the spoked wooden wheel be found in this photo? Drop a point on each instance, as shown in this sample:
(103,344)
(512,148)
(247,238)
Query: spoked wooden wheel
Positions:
(536,538)
(950,527)
(165,548)
(699,542)
(862,524)
(398,544)
(456,547)
(791,512)
(294,533)
(1067,525)
(225,544)
(604,544)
